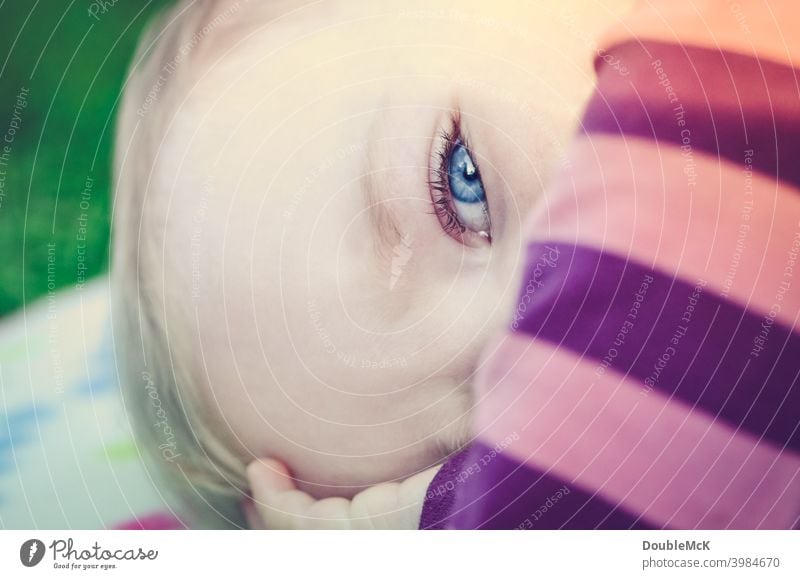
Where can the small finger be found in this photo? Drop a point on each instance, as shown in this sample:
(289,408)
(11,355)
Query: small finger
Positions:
(270,475)
(278,503)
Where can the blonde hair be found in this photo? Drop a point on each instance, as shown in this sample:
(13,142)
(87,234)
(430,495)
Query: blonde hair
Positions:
(157,368)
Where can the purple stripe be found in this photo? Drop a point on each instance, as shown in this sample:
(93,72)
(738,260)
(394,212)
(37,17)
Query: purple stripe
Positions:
(678,338)
(714,101)
(440,496)
(505,494)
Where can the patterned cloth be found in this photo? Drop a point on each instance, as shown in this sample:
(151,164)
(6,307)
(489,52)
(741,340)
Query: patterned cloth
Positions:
(650,376)
(67,455)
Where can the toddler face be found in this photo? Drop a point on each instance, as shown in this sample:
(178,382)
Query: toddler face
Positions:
(348,183)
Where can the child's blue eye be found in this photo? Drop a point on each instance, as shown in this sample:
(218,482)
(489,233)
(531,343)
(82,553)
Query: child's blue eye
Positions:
(466,189)
(457,192)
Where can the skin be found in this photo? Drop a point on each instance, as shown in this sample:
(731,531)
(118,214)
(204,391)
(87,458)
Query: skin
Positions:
(338,325)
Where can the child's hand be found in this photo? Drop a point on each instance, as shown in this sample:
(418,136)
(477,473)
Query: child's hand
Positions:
(277,504)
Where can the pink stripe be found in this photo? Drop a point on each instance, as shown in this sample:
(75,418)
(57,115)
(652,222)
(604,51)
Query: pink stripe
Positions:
(616,199)
(676,466)
(150,522)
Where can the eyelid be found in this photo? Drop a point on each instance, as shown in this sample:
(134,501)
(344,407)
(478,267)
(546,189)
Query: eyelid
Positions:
(443,145)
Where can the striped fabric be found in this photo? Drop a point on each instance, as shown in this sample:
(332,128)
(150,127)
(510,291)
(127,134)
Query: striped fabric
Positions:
(651,375)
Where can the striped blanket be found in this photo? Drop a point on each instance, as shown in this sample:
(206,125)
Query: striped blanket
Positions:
(650,376)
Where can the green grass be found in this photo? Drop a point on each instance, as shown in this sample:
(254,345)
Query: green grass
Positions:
(73,67)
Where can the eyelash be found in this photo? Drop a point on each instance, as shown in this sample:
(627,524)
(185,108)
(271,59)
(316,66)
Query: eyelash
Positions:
(440,180)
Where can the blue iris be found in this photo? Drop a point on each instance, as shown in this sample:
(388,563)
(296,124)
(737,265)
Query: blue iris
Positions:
(464,179)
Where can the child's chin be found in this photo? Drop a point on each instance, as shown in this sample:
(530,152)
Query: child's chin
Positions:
(336,476)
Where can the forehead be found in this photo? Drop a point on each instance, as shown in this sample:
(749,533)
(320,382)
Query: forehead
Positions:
(387,37)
